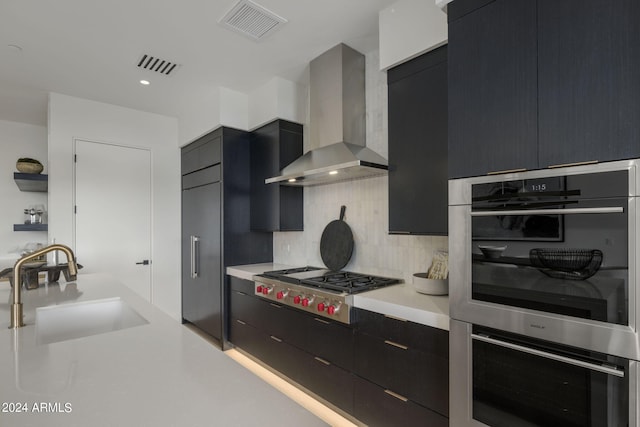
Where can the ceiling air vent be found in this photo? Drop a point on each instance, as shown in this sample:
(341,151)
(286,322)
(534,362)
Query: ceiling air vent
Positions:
(157,65)
(252,20)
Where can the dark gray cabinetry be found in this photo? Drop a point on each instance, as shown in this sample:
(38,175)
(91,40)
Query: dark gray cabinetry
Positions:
(418,145)
(275,207)
(31,181)
(216,225)
(376,406)
(315,353)
(385,372)
(589,90)
(534,84)
(202,258)
(402,367)
(492,87)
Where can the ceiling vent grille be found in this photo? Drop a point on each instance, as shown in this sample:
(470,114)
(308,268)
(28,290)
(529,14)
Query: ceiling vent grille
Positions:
(252,20)
(157,65)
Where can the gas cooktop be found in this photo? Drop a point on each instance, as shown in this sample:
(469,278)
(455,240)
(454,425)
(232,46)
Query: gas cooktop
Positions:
(316,290)
(341,281)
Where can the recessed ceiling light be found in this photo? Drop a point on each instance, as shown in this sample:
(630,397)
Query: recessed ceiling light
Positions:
(292,180)
(144,82)
(333,173)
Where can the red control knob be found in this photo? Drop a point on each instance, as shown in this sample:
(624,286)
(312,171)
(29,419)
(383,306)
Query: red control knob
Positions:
(305,302)
(331,309)
(297,299)
(321,306)
(259,289)
(281,294)
(266,291)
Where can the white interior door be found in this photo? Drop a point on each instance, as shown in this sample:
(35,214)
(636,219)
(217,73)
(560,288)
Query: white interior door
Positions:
(113,212)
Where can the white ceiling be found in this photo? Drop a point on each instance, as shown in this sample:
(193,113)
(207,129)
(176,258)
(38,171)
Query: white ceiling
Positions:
(90,49)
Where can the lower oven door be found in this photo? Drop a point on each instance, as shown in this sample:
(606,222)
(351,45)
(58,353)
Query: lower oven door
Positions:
(503,379)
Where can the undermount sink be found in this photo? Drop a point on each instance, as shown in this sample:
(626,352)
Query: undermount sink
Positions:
(83,319)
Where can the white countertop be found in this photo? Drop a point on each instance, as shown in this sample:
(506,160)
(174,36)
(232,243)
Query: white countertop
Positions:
(156,374)
(400,301)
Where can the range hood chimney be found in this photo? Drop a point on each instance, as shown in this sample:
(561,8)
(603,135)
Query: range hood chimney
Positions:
(338,125)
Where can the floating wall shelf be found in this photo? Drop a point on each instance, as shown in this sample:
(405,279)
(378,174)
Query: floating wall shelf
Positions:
(30,227)
(31,181)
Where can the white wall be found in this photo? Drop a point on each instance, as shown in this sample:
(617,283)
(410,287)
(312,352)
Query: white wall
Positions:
(18,140)
(71,118)
(409,28)
(277,99)
(375,251)
(210,109)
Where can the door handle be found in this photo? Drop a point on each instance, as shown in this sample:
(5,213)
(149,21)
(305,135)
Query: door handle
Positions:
(195,254)
(143,262)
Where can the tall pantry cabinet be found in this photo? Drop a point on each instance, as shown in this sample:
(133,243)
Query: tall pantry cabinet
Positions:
(216,232)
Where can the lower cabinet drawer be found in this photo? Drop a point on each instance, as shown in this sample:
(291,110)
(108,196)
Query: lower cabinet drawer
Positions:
(323,378)
(379,407)
(328,381)
(269,349)
(420,376)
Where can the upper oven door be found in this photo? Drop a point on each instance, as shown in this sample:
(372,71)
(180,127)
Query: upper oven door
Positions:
(545,252)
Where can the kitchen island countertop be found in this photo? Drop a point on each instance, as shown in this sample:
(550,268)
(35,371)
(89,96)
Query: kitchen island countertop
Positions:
(155,374)
(400,301)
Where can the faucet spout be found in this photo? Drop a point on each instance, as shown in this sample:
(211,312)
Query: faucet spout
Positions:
(16,307)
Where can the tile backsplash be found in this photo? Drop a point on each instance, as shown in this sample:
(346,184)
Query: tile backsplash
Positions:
(375,251)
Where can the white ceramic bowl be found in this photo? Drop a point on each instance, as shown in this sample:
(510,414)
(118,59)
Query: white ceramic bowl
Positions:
(492,251)
(430,286)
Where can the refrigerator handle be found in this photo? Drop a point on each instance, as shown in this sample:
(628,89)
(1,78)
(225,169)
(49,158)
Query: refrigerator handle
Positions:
(195,257)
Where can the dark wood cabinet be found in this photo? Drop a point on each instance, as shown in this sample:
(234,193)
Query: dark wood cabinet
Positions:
(418,145)
(492,87)
(589,90)
(314,353)
(275,207)
(410,359)
(379,407)
(216,225)
(536,84)
(384,371)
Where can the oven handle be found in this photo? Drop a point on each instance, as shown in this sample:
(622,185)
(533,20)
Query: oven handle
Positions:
(606,210)
(556,357)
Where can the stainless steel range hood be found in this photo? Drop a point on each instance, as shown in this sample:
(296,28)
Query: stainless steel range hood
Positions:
(337,125)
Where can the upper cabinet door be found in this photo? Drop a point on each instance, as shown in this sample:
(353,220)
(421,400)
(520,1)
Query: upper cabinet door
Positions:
(493,88)
(589,86)
(418,145)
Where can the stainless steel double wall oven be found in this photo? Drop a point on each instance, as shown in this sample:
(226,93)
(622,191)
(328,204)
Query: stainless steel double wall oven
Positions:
(544,297)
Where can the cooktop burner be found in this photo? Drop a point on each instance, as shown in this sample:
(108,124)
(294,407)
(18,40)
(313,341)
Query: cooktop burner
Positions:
(278,273)
(348,282)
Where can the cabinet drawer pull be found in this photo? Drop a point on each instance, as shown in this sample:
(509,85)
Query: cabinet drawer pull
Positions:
(396,395)
(507,171)
(388,316)
(563,165)
(275,338)
(275,305)
(241,322)
(326,322)
(240,293)
(395,344)
(324,362)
